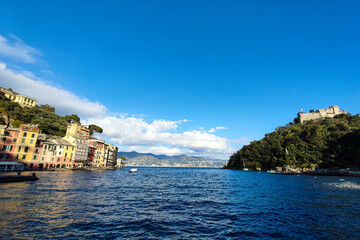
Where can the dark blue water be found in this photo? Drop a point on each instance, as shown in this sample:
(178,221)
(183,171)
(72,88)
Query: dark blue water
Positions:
(180,203)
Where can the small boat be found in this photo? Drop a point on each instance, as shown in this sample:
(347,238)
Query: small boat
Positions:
(245,169)
(133,170)
(17,178)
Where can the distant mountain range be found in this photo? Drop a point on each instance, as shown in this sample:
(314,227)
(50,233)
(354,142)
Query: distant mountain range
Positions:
(152,160)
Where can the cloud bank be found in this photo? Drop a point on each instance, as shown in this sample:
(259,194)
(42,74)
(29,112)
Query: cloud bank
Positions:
(161,137)
(131,133)
(63,100)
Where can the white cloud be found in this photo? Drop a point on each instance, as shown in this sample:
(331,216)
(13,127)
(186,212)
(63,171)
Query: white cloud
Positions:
(158,150)
(63,100)
(216,128)
(161,137)
(131,132)
(16,49)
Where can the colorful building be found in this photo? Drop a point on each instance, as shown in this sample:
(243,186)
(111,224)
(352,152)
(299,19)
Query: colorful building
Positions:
(99,158)
(63,153)
(78,136)
(91,154)
(111,155)
(8,140)
(22,100)
(25,148)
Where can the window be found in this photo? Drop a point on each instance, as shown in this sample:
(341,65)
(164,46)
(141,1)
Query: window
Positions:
(50,147)
(4,139)
(7,148)
(71,155)
(54,148)
(45,147)
(3,156)
(14,140)
(19,149)
(36,150)
(65,154)
(33,135)
(31,141)
(67,148)
(26,149)
(58,159)
(17,156)
(34,157)
(42,158)
(25,134)
(52,159)
(7,133)
(23,140)
(23,156)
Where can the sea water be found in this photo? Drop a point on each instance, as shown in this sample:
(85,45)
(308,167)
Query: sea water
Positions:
(180,203)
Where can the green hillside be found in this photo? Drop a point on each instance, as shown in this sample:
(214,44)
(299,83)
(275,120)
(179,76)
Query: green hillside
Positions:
(324,143)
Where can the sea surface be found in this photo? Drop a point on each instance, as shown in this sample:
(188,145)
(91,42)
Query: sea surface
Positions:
(180,203)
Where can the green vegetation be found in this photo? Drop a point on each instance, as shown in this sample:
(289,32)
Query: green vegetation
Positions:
(72,118)
(44,116)
(95,129)
(325,143)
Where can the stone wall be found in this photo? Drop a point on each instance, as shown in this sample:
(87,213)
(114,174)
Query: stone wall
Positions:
(321,114)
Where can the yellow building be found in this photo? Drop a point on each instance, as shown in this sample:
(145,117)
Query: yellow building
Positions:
(22,100)
(76,130)
(25,147)
(69,151)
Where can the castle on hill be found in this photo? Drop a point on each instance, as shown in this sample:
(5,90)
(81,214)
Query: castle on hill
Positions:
(320,114)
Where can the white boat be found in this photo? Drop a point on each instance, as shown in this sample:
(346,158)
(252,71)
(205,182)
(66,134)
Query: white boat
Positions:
(245,169)
(133,170)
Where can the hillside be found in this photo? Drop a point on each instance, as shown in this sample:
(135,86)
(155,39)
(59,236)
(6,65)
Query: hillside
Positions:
(43,116)
(325,143)
(148,159)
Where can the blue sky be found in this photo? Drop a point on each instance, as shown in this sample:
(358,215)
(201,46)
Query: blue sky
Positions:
(160,76)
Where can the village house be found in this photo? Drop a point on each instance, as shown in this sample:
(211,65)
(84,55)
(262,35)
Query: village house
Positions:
(22,100)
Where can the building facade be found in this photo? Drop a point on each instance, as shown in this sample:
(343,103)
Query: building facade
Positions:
(8,141)
(320,114)
(25,148)
(22,100)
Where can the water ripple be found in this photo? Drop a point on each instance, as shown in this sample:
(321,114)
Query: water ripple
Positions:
(179,203)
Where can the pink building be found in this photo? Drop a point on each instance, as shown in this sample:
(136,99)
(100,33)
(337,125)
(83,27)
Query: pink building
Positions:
(9,138)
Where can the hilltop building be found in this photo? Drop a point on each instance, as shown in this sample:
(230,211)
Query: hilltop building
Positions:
(320,114)
(22,100)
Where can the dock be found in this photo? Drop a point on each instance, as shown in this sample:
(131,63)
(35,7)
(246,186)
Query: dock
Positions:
(18,178)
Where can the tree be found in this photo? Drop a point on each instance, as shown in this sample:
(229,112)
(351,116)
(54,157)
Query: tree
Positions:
(72,118)
(95,129)
(324,143)
(48,108)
